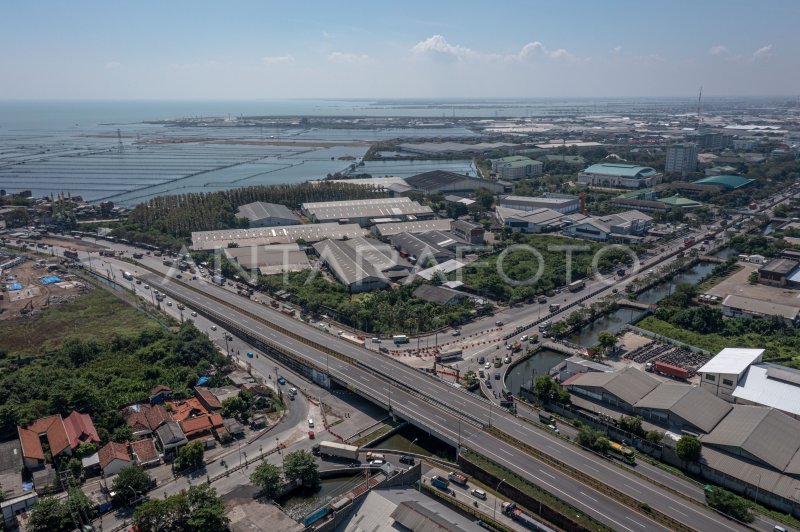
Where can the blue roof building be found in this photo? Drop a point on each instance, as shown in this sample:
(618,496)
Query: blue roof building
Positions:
(619,175)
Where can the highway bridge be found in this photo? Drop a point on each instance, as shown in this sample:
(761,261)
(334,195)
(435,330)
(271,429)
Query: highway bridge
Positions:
(454,415)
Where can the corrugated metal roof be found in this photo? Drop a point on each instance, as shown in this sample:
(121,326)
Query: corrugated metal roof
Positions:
(690,403)
(728,181)
(260,210)
(757,306)
(766,433)
(769,385)
(274,235)
(624,170)
(629,384)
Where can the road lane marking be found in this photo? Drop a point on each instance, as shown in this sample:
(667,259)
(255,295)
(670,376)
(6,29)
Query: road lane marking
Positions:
(588,497)
(543,472)
(635,522)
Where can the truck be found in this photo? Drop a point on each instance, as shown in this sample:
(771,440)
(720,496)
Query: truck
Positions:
(547,418)
(337,450)
(375,456)
(108,253)
(71,254)
(688,241)
(458,478)
(127,275)
(670,370)
(138,255)
(510,509)
(166,262)
(218,279)
(516,346)
(577,285)
(440,482)
(711,235)
(400,339)
(554,307)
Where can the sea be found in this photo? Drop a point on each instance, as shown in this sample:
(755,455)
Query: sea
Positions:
(127,152)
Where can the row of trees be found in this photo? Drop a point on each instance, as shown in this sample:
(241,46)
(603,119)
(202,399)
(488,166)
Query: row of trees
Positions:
(171,219)
(198,510)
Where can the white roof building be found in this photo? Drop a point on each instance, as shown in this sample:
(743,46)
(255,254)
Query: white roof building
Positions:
(721,374)
(770,385)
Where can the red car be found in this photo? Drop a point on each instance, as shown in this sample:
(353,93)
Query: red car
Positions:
(310,434)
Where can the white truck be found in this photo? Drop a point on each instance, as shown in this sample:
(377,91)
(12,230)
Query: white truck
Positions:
(400,339)
(338,450)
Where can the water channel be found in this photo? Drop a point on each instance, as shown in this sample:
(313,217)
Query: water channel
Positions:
(539,364)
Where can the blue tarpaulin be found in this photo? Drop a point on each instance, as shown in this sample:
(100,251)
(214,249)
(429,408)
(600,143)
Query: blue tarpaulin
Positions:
(15,286)
(202,380)
(50,279)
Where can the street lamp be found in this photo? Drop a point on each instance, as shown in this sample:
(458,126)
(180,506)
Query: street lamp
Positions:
(494,518)
(410,445)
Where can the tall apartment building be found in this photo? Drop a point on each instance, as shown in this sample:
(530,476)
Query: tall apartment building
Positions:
(681,158)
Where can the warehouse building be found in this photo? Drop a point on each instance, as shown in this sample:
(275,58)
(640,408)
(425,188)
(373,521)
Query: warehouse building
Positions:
(387,230)
(425,247)
(361,211)
(778,272)
(453,148)
(442,182)
(261,214)
(720,375)
(736,306)
(619,175)
(540,220)
(362,264)
(265,236)
(563,203)
(517,167)
(467,231)
(624,226)
(270,260)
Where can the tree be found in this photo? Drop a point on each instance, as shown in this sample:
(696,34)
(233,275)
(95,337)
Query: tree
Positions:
(753,277)
(689,448)
(301,465)
(158,515)
(190,456)
(85,449)
(632,424)
(267,477)
(730,503)
(49,515)
(607,341)
(543,385)
(131,482)
(206,509)
(654,436)
(485,198)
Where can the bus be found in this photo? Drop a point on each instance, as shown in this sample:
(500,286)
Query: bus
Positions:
(623,453)
(577,285)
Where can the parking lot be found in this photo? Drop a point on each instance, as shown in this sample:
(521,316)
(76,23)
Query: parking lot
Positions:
(737,284)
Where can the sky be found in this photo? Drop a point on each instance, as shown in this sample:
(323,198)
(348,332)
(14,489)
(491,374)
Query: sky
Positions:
(245,50)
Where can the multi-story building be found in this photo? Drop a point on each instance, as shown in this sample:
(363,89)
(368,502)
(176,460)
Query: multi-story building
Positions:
(721,374)
(681,158)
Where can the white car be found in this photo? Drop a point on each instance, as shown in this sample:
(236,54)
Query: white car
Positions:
(213,327)
(554,429)
(194,314)
(169,303)
(487,366)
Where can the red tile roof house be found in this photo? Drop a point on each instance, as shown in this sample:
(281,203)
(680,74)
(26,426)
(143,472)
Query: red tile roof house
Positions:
(51,429)
(80,429)
(208,399)
(145,453)
(113,457)
(144,419)
(202,428)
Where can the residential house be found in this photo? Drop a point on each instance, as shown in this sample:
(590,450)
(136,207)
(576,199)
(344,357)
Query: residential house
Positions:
(113,457)
(144,419)
(80,429)
(170,436)
(159,394)
(50,429)
(207,399)
(145,453)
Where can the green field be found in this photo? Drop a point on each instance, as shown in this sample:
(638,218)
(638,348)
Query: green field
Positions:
(97,315)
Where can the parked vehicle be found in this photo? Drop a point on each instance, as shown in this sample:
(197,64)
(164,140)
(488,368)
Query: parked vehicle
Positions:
(670,370)
(439,482)
(510,509)
(375,456)
(406,459)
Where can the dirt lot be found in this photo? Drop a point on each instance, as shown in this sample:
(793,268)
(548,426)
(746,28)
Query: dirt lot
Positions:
(34,295)
(737,284)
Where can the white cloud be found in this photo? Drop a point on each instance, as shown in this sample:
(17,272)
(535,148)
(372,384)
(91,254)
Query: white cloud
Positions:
(764,51)
(718,50)
(111,65)
(277,59)
(344,57)
(325,35)
(437,46)
(617,49)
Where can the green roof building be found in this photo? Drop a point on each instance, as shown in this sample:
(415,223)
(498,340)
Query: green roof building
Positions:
(731,182)
(619,175)
(680,201)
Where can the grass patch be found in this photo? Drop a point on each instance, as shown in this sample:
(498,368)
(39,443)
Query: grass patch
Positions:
(535,492)
(97,315)
(372,435)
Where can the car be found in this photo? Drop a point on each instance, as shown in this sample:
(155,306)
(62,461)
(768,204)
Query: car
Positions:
(406,459)
(376,462)
(194,314)
(499,323)
(524,338)
(147,287)
(376,340)
(138,281)
(456,333)
(310,423)
(497,375)
(179,276)
(250,354)
(487,366)
(481,374)
(554,429)
(482,361)
(281,381)
(478,494)
(292,391)
(310,434)
(169,303)
(213,327)
(508,346)
(488,383)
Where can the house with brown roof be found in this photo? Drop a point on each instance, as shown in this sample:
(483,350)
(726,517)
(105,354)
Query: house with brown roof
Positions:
(143,419)
(80,429)
(145,453)
(52,430)
(159,394)
(207,399)
(203,428)
(113,457)
(180,410)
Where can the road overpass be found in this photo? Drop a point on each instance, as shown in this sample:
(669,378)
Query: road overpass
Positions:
(449,413)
